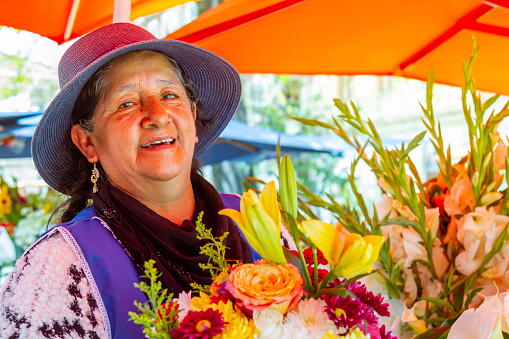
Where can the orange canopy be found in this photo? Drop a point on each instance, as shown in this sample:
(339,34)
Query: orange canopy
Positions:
(50,18)
(391,37)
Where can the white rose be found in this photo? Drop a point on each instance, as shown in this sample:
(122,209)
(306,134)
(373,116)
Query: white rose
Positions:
(269,323)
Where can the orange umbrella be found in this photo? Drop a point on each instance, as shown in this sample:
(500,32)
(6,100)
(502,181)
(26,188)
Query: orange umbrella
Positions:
(63,20)
(392,37)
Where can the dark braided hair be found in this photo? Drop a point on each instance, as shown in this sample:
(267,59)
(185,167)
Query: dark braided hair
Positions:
(78,175)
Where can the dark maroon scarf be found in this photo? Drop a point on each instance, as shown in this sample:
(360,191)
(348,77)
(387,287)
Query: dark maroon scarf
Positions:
(145,234)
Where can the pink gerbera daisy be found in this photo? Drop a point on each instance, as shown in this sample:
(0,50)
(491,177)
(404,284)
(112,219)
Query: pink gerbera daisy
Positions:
(201,325)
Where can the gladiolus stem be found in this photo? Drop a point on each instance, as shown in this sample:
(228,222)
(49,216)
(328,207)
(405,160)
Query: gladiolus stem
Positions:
(289,221)
(315,267)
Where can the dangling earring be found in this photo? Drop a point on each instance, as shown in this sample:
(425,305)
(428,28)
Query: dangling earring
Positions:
(94,177)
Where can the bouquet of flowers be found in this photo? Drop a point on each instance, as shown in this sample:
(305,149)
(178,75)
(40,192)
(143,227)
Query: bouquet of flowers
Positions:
(309,293)
(446,250)
(23,217)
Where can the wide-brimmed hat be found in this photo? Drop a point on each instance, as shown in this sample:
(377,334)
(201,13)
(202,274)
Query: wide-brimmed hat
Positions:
(216,82)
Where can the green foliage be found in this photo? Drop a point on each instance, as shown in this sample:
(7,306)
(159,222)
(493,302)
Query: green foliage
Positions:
(481,130)
(157,318)
(398,178)
(19,81)
(214,249)
(158,314)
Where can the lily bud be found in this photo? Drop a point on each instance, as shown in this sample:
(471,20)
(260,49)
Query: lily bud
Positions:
(288,186)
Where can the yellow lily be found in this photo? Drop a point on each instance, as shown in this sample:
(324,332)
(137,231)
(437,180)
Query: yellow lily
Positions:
(349,258)
(260,221)
(5,201)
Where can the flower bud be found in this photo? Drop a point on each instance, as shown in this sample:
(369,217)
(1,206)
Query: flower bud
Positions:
(288,186)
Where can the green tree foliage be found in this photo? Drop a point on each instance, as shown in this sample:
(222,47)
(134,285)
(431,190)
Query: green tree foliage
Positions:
(14,84)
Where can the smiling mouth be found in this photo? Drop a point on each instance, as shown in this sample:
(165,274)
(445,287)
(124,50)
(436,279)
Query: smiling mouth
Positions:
(167,141)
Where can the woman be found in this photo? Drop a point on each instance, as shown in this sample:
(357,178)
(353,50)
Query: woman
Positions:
(132,114)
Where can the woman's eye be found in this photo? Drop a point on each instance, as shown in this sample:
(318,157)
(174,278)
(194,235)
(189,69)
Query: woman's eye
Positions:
(125,104)
(170,96)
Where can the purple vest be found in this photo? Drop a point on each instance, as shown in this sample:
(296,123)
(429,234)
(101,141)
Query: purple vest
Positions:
(110,271)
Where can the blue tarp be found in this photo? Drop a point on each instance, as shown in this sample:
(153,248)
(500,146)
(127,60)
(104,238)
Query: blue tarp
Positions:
(241,142)
(238,142)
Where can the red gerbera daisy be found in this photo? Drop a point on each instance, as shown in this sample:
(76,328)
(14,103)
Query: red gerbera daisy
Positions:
(201,324)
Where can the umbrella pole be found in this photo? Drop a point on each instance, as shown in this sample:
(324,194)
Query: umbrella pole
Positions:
(122,11)
(71,19)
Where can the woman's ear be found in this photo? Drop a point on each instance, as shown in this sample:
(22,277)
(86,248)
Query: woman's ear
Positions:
(81,139)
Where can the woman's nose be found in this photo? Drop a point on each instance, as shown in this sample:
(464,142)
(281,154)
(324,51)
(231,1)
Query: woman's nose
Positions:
(155,114)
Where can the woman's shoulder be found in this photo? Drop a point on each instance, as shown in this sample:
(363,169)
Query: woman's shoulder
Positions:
(48,293)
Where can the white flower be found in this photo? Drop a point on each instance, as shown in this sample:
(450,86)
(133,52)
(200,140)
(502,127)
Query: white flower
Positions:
(480,221)
(485,322)
(432,220)
(461,199)
(184,302)
(409,316)
(8,252)
(410,287)
(500,154)
(269,323)
(477,231)
(394,207)
(406,244)
(30,227)
(308,320)
(430,287)
(394,323)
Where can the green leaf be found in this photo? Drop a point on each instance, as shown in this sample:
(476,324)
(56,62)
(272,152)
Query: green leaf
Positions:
(445,335)
(434,333)
(429,89)
(471,296)
(490,102)
(440,302)
(414,143)
(339,291)
(293,259)
(400,221)
(313,122)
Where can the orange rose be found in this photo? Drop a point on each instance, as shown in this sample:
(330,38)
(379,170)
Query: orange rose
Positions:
(266,285)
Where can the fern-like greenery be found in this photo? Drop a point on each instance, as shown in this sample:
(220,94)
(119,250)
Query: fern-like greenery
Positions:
(158,315)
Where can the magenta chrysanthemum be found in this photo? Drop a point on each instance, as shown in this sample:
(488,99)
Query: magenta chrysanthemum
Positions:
(347,312)
(367,297)
(202,324)
(387,335)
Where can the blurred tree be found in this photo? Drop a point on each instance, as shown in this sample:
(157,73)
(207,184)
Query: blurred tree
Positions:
(14,77)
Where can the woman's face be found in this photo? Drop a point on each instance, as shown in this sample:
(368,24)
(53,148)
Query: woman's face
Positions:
(144,123)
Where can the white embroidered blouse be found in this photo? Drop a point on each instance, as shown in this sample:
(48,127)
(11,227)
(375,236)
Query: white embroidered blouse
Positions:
(49,296)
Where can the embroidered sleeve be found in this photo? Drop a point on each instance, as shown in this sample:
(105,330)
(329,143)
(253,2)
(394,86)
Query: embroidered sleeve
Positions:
(48,296)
